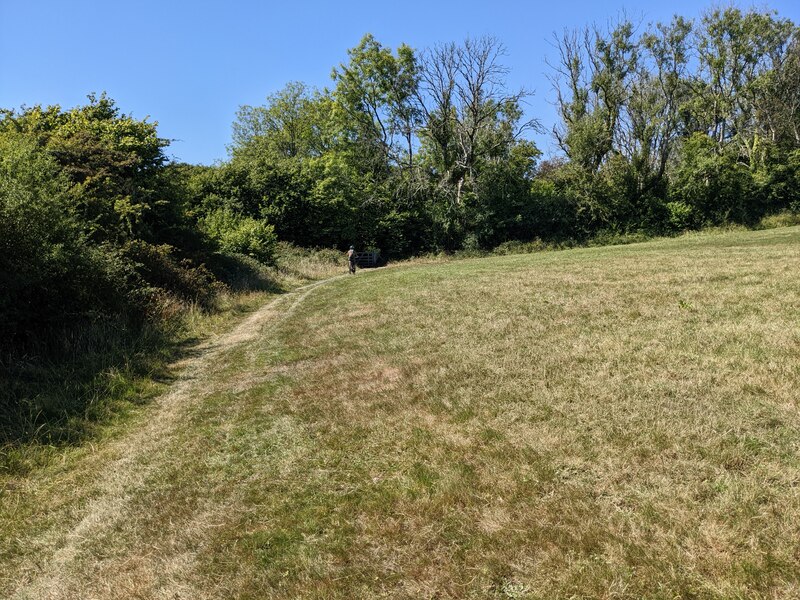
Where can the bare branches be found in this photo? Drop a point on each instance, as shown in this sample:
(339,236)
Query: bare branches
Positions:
(470,114)
(620,95)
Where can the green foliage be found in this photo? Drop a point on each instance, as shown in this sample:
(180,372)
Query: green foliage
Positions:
(283,128)
(374,99)
(502,208)
(99,257)
(717,187)
(680,215)
(87,203)
(242,235)
(109,159)
(657,141)
(788,218)
(160,272)
(47,269)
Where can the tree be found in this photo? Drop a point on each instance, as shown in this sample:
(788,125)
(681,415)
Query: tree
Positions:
(112,162)
(658,93)
(283,128)
(376,90)
(737,53)
(778,106)
(469,114)
(592,80)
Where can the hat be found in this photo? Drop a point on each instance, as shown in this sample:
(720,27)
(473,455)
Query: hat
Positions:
(352,247)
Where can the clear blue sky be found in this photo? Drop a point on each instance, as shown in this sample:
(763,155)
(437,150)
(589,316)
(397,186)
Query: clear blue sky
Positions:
(190,65)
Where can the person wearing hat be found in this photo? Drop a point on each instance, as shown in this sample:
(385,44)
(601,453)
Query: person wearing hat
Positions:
(351,257)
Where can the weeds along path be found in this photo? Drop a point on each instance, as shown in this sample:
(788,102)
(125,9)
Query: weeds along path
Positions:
(61,561)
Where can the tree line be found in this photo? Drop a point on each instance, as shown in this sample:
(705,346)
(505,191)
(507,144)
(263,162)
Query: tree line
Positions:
(662,128)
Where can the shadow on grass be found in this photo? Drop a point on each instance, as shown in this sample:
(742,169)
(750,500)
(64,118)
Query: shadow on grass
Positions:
(59,387)
(241,273)
(56,391)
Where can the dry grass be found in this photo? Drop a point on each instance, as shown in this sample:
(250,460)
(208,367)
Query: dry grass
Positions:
(602,423)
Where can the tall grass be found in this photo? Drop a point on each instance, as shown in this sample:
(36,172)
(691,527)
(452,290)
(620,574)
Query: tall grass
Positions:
(61,387)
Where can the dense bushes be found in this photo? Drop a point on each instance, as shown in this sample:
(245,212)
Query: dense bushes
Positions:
(425,151)
(236,233)
(99,254)
(48,271)
(87,221)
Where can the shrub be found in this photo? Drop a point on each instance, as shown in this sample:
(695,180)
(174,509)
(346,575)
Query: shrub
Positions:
(614,238)
(680,216)
(242,273)
(517,247)
(161,271)
(48,272)
(782,219)
(241,235)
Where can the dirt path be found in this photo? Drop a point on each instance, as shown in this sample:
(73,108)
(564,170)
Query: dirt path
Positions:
(136,456)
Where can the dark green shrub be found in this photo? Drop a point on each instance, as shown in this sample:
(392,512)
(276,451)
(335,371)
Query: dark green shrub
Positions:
(240,272)
(160,271)
(680,216)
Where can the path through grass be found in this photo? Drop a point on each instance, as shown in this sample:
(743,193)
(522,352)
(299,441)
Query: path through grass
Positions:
(615,422)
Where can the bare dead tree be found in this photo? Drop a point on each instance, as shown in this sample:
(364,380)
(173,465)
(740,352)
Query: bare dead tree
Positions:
(465,99)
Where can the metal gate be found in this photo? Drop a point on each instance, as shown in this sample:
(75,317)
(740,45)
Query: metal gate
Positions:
(368,260)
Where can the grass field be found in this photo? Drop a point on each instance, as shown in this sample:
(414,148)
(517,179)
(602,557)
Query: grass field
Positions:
(617,422)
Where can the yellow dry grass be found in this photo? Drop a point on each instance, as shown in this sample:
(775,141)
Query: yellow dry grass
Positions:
(615,422)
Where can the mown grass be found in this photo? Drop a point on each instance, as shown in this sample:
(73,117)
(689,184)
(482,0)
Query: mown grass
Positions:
(614,422)
(64,388)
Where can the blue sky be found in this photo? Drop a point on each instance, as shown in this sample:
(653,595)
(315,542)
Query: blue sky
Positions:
(190,65)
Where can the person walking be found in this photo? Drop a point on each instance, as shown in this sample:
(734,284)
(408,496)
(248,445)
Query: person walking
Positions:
(351,258)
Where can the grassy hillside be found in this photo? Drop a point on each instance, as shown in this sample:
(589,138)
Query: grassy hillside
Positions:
(617,422)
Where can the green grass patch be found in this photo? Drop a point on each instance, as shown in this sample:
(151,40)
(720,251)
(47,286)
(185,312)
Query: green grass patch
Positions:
(612,422)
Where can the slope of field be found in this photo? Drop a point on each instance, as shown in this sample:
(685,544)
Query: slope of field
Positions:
(616,422)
